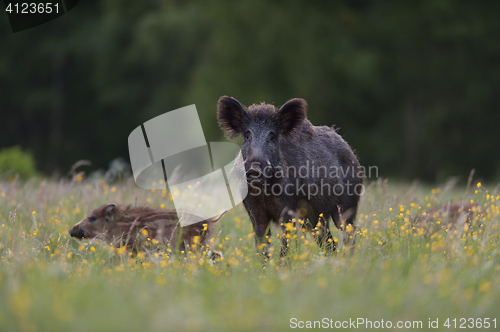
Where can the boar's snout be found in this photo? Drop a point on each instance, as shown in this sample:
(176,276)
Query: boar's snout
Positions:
(254,174)
(77,232)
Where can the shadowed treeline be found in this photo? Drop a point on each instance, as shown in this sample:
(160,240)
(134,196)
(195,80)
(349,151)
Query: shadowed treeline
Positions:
(412,85)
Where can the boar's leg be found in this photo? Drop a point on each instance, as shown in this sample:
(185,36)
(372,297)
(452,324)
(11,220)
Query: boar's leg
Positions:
(284,243)
(262,233)
(287,216)
(323,235)
(344,221)
(349,236)
(261,222)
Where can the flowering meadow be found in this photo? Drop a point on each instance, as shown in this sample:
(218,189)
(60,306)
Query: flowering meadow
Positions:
(398,271)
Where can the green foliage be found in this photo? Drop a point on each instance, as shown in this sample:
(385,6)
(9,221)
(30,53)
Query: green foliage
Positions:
(410,84)
(14,161)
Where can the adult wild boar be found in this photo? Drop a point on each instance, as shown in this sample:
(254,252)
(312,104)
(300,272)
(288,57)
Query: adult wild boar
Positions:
(132,225)
(293,169)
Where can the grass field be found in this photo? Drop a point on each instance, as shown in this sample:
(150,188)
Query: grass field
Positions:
(398,272)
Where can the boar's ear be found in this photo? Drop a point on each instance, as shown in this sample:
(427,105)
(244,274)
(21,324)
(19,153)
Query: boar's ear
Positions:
(109,212)
(216,218)
(291,115)
(231,116)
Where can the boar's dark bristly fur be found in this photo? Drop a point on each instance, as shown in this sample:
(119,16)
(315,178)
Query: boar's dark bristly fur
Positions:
(124,225)
(278,143)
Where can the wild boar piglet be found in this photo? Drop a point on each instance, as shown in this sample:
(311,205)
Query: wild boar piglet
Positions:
(132,226)
(447,215)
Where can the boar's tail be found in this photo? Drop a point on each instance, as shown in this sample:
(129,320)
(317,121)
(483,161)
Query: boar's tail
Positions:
(216,218)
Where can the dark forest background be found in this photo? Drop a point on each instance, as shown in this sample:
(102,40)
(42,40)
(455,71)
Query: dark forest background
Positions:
(413,86)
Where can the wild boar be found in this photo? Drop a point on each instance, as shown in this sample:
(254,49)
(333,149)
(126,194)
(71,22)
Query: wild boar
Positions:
(293,169)
(448,215)
(132,225)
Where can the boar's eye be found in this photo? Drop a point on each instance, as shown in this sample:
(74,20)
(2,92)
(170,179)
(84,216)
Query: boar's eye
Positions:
(92,219)
(247,135)
(271,136)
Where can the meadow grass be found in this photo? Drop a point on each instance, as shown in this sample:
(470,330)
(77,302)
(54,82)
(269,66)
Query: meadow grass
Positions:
(398,271)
